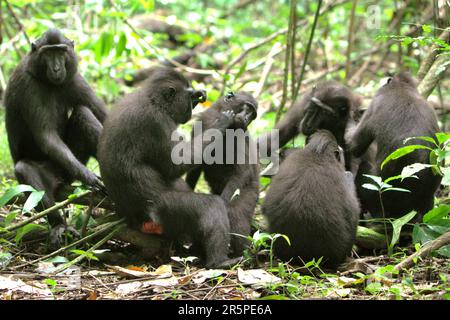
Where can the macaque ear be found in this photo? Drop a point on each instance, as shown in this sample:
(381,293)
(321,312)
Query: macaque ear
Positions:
(169,93)
(72,43)
(33,47)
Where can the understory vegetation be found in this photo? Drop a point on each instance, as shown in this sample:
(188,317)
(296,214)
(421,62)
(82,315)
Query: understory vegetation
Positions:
(277,50)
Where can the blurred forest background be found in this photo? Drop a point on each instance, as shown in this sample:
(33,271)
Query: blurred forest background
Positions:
(246,45)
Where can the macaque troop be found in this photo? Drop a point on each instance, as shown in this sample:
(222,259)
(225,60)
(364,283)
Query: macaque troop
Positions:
(55,122)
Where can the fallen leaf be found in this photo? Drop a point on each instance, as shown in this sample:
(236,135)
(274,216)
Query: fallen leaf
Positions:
(204,275)
(126,288)
(128,273)
(33,287)
(163,271)
(256,276)
(92,296)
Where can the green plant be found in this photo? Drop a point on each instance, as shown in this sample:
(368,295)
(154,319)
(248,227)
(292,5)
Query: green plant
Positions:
(185,261)
(262,242)
(436,221)
(383,186)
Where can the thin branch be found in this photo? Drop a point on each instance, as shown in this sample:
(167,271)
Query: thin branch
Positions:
(293,45)
(262,42)
(308,48)
(158,51)
(16,19)
(428,248)
(91,249)
(287,58)
(430,58)
(432,77)
(266,71)
(1,22)
(100,230)
(238,6)
(12,40)
(399,26)
(350,40)
(86,218)
(44,212)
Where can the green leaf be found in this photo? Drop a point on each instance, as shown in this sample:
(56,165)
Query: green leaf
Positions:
(273,297)
(376,179)
(398,224)
(370,186)
(439,230)
(33,200)
(397,189)
(443,137)
(27,229)
(5,259)
(445,251)
(57,259)
(393,178)
(412,169)
(241,70)
(373,288)
(426,28)
(10,218)
(402,152)
(421,234)
(12,192)
(424,138)
(88,255)
(436,214)
(51,282)
(148,5)
(278,235)
(446,178)
(107,43)
(121,44)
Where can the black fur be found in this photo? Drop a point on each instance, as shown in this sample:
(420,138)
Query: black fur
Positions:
(312,200)
(397,112)
(135,162)
(225,179)
(53,119)
(306,117)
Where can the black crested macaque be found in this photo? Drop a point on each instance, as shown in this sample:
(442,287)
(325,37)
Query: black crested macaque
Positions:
(312,200)
(330,105)
(397,112)
(53,121)
(135,156)
(236,182)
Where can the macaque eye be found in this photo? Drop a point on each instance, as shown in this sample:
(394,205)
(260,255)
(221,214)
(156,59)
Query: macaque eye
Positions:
(229,96)
(343,110)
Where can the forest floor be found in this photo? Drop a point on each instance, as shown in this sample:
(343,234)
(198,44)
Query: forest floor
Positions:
(120,273)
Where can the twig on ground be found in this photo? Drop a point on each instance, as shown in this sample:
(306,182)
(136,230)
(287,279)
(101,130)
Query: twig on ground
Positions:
(429,247)
(102,229)
(83,256)
(44,212)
